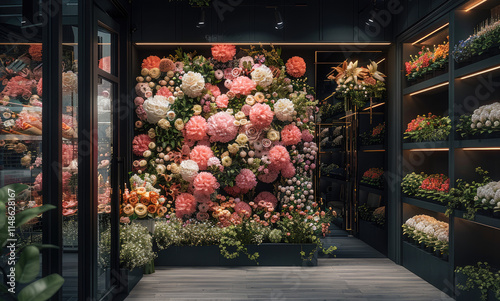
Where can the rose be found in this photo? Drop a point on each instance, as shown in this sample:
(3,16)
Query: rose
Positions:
(156,108)
(226,161)
(262,75)
(193,84)
(242,139)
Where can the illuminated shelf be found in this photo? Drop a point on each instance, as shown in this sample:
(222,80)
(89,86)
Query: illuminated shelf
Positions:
(477,143)
(479,67)
(429,205)
(480,219)
(372,148)
(428,84)
(426,146)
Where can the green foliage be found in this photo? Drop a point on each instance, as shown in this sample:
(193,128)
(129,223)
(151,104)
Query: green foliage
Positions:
(478,43)
(234,239)
(481,277)
(275,236)
(432,128)
(174,232)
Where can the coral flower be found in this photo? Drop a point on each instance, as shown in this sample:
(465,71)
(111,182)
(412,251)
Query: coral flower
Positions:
(205,183)
(166,65)
(246,179)
(201,154)
(291,135)
(221,127)
(243,85)
(196,128)
(261,116)
(223,53)
(185,204)
(151,62)
(266,197)
(296,66)
(140,144)
(279,157)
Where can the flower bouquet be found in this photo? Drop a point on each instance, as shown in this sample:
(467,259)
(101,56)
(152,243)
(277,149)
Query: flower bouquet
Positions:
(484,120)
(434,187)
(356,85)
(485,38)
(373,177)
(427,61)
(426,230)
(374,136)
(428,128)
(488,197)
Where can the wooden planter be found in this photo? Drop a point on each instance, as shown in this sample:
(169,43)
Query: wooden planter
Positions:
(269,255)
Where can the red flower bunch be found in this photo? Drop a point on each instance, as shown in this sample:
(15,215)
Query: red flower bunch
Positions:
(420,122)
(436,182)
(373,173)
(378,129)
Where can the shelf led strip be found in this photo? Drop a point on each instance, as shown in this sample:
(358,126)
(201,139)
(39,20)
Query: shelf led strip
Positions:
(430,34)
(481,148)
(475,5)
(480,72)
(429,150)
(430,88)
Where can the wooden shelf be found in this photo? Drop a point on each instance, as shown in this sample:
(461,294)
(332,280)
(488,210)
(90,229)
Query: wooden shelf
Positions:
(426,145)
(485,64)
(443,78)
(480,219)
(492,142)
(424,204)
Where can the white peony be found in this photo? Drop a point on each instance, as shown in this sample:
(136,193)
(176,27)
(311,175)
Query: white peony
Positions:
(262,76)
(156,108)
(189,170)
(284,109)
(193,84)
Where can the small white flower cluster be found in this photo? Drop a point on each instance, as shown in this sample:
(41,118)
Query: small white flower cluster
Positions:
(489,195)
(486,116)
(137,181)
(429,226)
(136,246)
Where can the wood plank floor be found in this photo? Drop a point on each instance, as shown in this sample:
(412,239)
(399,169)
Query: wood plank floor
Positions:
(367,279)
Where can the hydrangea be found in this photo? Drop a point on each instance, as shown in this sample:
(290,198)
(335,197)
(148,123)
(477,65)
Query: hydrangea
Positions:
(284,109)
(196,128)
(193,84)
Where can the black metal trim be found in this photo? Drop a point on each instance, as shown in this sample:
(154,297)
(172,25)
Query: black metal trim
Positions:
(52,140)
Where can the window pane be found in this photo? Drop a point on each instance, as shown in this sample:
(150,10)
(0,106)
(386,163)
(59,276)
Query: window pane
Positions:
(105,48)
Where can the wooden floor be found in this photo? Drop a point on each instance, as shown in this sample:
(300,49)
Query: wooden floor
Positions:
(359,279)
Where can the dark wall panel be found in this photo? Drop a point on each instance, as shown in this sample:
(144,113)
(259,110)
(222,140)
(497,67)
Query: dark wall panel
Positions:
(337,20)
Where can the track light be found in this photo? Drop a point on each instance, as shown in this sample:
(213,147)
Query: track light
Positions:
(201,22)
(279,20)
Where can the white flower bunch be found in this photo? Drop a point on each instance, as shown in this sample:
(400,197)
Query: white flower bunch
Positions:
(136,246)
(193,84)
(284,109)
(488,196)
(262,76)
(189,170)
(428,228)
(156,108)
(486,116)
(173,232)
(137,181)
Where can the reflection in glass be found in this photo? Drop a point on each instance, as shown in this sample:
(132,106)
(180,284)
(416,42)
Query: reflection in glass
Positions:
(104,50)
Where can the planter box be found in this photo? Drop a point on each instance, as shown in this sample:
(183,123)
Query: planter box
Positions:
(129,279)
(473,294)
(374,236)
(269,255)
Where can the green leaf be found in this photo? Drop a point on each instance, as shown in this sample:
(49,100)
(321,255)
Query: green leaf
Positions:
(26,215)
(28,266)
(17,188)
(42,289)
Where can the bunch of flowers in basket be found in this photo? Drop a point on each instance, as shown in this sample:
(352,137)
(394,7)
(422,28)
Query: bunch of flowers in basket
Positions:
(355,85)
(485,37)
(484,120)
(429,231)
(488,196)
(374,136)
(373,176)
(435,187)
(370,214)
(427,60)
(428,128)
(223,140)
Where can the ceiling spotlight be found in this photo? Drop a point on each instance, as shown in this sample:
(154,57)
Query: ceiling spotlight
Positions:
(279,20)
(201,22)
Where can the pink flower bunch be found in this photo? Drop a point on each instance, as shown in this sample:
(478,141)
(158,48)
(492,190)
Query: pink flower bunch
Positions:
(261,115)
(141,113)
(233,190)
(246,179)
(185,204)
(291,135)
(307,136)
(18,86)
(196,128)
(288,171)
(279,157)
(222,101)
(268,177)
(200,154)
(243,208)
(205,183)
(243,85)
(68,153)
(140,144)
(221,127)
(266,197)
(212,89)
(223,53)
(35,51)
(296,66)
(164,91)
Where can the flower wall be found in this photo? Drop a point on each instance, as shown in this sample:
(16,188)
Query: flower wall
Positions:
(223,139)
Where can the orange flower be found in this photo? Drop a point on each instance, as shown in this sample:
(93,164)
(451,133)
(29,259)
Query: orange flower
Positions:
(152,209)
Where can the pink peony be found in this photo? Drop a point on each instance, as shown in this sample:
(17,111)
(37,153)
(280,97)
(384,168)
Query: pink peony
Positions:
(228,74)
(166,65)
(140,144)
(291,135)
(307,136)
(279,157)
(296,66)
(221,127)
(269,177)
(201,154)
(223,53)
(222,101)
(196,128)
(246,179)
(266,197)
(205,183)
(261,116)
(243,85)
(141,113)
(164,91)
(185,204)
(288,171)
(242,208)
(213,89)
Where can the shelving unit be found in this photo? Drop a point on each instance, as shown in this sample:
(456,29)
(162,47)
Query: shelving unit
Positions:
(458,90)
